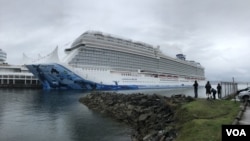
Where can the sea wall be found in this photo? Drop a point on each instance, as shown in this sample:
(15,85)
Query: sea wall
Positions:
(151,116)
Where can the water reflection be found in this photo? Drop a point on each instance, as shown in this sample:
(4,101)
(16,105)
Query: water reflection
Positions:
(53,115)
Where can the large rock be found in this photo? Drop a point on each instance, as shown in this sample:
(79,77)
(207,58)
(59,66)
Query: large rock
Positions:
(146,114)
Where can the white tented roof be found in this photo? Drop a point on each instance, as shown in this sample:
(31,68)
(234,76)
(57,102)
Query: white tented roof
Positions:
(50,58)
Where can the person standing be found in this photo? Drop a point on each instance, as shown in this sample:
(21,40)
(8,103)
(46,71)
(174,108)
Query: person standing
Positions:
(208,89)
(195,89)
(219,90)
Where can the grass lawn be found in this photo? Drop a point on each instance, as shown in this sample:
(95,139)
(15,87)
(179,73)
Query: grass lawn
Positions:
(201,119)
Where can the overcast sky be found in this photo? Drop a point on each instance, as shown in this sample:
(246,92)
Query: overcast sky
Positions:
(215,33)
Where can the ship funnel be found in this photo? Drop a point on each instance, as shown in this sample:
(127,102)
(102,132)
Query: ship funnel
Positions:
(181,56)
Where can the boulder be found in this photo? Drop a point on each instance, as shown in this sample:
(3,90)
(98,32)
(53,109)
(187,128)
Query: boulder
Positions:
(148,115)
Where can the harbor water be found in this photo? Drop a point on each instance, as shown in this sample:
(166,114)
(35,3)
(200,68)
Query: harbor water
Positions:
(38,115)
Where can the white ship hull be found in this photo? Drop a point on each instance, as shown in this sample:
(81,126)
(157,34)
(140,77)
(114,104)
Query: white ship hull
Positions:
(58,76)
(109,77)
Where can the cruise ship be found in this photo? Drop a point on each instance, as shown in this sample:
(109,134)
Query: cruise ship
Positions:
(100,61)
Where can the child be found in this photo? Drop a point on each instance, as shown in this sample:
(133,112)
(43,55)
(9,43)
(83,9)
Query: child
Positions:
(213,92)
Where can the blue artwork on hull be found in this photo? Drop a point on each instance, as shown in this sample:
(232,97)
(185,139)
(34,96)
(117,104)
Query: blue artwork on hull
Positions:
(56,76)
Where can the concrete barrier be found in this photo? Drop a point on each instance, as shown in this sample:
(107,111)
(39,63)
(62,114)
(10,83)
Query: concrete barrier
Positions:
(240,114)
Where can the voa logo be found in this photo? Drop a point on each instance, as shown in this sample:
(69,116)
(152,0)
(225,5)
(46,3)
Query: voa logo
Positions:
(236,132)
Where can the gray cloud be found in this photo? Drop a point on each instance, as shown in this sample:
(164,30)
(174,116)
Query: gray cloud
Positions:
(214,33)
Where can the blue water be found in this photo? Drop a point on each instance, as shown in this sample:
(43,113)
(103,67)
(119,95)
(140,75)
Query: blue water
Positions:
(38,115)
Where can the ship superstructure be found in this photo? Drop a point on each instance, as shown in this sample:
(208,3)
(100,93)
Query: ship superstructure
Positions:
(97,60)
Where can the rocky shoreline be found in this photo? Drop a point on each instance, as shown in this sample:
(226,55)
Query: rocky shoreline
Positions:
(151,116)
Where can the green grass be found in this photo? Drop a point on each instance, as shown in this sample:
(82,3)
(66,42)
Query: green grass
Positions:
(201,119)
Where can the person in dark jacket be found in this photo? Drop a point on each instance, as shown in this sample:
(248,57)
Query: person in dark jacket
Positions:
(208,89)
(219,90)
(214,93)
(195,89)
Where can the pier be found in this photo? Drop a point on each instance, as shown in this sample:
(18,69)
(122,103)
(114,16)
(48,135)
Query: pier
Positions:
(19,81)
